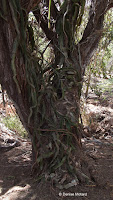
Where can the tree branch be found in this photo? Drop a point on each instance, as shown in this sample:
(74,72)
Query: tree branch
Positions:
(49,33)
(94,28)
(29,5)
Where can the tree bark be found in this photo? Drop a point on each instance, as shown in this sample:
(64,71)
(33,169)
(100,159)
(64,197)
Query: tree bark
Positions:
(49,111)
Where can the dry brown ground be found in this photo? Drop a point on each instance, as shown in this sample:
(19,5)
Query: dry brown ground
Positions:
(17,183)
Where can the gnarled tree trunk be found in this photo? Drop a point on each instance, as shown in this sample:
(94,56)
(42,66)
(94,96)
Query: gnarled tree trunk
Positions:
(49,110)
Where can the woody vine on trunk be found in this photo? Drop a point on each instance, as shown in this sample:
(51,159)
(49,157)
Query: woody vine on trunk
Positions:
(47,96)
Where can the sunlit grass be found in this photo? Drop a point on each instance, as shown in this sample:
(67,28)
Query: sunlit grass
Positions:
(14,124)
(106,85)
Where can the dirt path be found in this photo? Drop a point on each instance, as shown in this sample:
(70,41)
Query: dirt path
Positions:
(17,183)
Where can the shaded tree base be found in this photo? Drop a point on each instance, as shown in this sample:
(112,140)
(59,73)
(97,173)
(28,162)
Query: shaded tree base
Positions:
(65,170)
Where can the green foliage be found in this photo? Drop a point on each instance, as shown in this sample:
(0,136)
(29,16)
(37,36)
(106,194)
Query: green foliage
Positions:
(106,85)
(101,60)
(101,64)
(14,124)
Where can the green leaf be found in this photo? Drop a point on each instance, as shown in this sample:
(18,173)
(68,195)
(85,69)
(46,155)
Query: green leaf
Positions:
(49,14)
